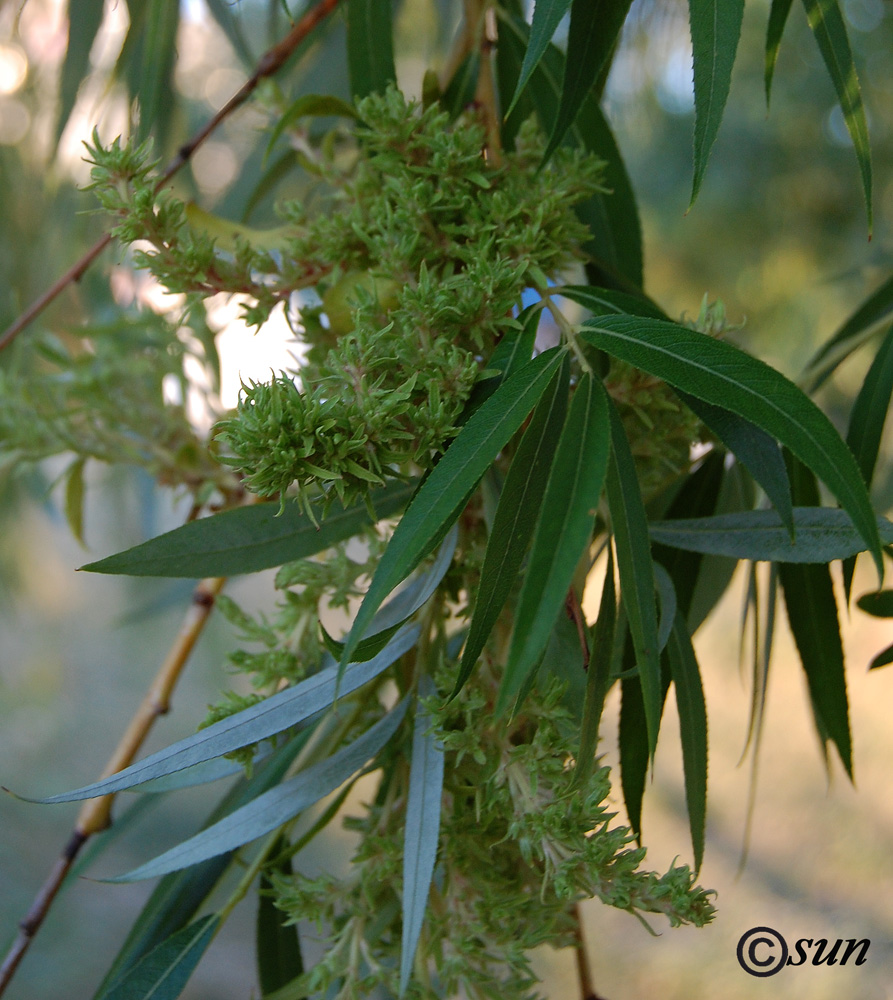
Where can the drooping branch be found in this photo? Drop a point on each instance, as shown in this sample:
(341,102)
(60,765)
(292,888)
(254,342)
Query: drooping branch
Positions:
(95,815)
(270,63)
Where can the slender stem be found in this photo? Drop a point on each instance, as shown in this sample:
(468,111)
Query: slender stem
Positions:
(270,63)
(95,815)
(584,970)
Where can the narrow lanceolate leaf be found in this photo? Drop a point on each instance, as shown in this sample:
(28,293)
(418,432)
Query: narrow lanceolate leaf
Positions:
(812,613)
(155,82)
(822,534)
(602,301)
(615,250)
(84,19)
(273,715)
(723,375)
(829,28)
(693,730)
(630,529)
(163,973)
(594,28)
(547,15)
(74,498)
(278,947)
(563,531)
(275,807)
(598,677)
(370,46)
(178,896)
(248,539)
(778,16)
(874,310)
(632,738)
(666,594)
(867,419)
(448,488)
(513,524)
(401,607)
(756,450)
(421,830)
(870,409)
(715,30)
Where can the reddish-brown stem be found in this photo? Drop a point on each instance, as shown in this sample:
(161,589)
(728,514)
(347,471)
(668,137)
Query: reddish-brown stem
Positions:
(584,971)
(270,63)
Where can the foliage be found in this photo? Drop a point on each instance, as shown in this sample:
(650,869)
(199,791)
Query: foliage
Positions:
(450,469)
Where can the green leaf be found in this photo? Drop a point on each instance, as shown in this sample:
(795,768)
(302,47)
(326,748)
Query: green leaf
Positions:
(421,830)
(870,409)
(867,419)
(370,46)
(693,730)
(275,807)
(278,948)
(715,30)
(249,539)
(829,28)
(510,355)
(601,301)
(519,505)
(547,15)
(883,659)
(74,498)
(563,530)
(164,972)
(778,16)
(178,896)
(634,750)
(594,29)
(756,450)
(721,374)
(273,715)
(878,604)
(812,613)
(155,82)
(666,594)
(630,529)
(401,607)
(446,491)
(822,535)
(598,677)
(84,20)
(875,309)
(616,247)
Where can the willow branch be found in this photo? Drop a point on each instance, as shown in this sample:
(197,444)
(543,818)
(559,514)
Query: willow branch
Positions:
(270,63)
(95,815)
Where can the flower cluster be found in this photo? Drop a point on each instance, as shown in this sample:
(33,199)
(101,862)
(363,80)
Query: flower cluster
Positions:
(522,841)
(419,258)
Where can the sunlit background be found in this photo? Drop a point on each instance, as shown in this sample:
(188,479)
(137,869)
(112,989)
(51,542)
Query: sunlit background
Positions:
(779,234)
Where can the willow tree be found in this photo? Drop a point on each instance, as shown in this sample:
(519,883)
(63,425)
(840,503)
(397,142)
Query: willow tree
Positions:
(489,412)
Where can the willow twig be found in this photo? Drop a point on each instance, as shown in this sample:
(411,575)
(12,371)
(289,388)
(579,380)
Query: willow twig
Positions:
(584,970)
(95,815)
(270,63)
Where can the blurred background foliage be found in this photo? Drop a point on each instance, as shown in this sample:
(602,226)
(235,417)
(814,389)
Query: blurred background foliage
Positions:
(778,233)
